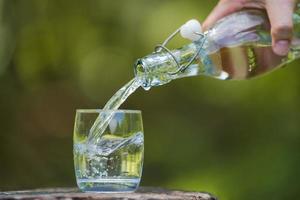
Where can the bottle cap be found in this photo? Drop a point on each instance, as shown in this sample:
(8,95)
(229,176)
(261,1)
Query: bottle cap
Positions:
(191,30)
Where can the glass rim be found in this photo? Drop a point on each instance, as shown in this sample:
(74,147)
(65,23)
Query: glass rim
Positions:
(81,110)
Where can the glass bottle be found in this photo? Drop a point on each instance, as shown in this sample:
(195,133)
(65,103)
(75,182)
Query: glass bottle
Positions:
(237,47)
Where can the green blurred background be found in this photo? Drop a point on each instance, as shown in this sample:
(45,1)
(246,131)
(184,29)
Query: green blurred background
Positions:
(237,140)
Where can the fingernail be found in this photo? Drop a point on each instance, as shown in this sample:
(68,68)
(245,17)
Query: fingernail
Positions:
(282,47)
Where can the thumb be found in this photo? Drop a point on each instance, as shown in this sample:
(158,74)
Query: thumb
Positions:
(222,9)
(280,15)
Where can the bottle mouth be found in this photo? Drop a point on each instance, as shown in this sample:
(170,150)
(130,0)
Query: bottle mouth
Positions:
(140,73)
(139,68)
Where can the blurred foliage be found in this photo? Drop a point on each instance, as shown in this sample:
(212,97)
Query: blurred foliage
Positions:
(235,139)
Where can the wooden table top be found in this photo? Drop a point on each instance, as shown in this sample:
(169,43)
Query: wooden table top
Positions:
(143,193)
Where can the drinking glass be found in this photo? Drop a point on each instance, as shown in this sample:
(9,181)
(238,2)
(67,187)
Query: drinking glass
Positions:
(114,163)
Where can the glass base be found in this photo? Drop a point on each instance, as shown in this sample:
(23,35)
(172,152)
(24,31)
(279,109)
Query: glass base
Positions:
(108,185)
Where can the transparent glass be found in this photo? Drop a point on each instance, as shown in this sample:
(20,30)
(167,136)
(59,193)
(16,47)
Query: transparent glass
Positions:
(114,164)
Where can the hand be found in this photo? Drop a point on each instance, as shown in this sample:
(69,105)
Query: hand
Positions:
(279,12)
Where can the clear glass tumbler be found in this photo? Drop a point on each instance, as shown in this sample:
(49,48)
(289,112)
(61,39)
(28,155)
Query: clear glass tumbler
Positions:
(114,163)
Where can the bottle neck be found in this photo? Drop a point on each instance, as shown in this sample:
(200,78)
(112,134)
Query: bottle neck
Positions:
(160,68)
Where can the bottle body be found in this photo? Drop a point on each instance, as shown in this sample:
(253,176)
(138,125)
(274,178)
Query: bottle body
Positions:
(237,47)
